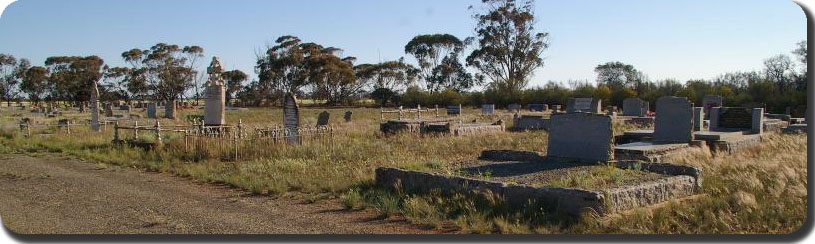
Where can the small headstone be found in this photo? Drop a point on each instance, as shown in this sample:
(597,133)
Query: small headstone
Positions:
(488,109)
(581,136)
(454,110)
(347,116)
(585,105)
(108,110)
(151,110)
(322,118)
(674,120)
(635,107)
(514,108)
(758,121)
(291,119)
(169,110)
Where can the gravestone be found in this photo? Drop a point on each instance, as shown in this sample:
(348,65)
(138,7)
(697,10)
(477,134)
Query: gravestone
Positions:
(581,136)
(109,110)
(322,118)
(169,110)
(347,116)
(674,120)
(95,107)
(514,108)
(488,109)
(454,110)
(758,121)
(151,110)
(585,105)
(291,119)
(215,95)
(635,107)
(711,101)
(698,118)
(537,107)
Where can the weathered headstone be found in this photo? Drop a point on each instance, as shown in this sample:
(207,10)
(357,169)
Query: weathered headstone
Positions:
(758,121)
(698,118)
(488,109)
(169,110)
(581,136)
(711,101)
(291,119)
(585,105)
(151,110)
(95,107)
(674,120)
(454,110)
(514,108)
(635,107)
(322,118)
(109,110)
(215,95)
(347,116)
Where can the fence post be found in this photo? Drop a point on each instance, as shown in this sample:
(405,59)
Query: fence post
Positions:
(381,114)
(186,143)
(437,110)
(158,133)
(419,112)
(28,129)
(116,132)
(400,112)
(240,128)
(68,127)
(235,141)
(136,129)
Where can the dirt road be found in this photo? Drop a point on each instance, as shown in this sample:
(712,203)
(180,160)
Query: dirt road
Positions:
(51,193)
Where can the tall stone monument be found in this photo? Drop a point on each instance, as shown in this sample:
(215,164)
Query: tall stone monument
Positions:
(215,95)
(95,107)
(291,119)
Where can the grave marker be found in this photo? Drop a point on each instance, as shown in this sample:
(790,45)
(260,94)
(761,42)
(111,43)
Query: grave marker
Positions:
(709,102)
(537,107)
(95,107)
(169,110)
(514,108)
(291,119)
(454,110)
(635,107)
(215,95)
(151,110)
(109,110)
(674,121)
(488,109)
(585,105)
(581,136)
(347,116)
(322,118)
(698,118)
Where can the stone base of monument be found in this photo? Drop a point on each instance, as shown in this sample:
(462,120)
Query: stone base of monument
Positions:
(650,151)
(457,129)
(796,129)
(521,183)
(530,122)
(728,141)
(774,125)
(639,121)
(633,136)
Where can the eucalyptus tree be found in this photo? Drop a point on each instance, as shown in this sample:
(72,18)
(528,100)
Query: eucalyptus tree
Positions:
(508,48)
(167,71)
(335,81)
(618,76)
(8,80)
(234,82)
(35,83)
(283,66)
(451,74)
(395,76)
(430,51)
(71,77)
(115,83)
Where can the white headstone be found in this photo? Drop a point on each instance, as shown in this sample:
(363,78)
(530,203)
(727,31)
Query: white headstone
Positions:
(215,95)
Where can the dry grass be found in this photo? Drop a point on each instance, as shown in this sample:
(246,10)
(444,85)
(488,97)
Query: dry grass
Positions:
(759,190)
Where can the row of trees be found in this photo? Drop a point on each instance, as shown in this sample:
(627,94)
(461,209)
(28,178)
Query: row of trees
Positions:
(503,55)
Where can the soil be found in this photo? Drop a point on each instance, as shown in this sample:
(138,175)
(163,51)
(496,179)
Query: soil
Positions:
(55,194)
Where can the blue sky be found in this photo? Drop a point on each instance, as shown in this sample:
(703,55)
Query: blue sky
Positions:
(682,39)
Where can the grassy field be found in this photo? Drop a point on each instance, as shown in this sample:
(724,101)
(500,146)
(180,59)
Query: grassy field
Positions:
(760,190)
